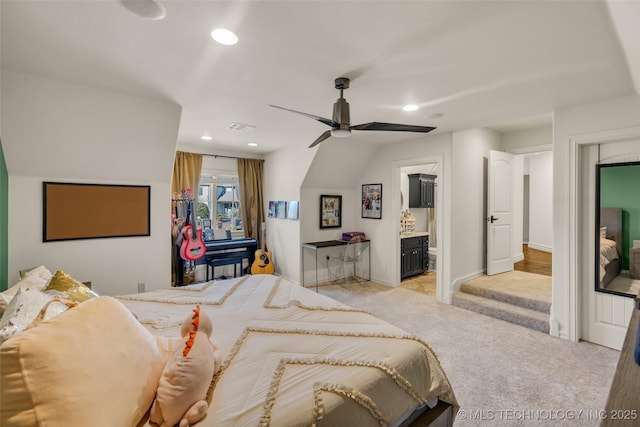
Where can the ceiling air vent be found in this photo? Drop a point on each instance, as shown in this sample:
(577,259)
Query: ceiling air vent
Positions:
(240,127)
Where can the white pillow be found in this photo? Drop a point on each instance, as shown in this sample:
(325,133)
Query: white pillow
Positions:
(23,310)
(36,278)
(40,271)
(603,232)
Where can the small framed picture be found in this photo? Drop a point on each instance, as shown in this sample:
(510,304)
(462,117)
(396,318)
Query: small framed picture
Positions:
(292,209)
(271,213)
(372,201)
(330,211)
(281,209)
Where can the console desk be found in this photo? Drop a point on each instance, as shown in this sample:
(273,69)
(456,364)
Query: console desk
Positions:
(316,246)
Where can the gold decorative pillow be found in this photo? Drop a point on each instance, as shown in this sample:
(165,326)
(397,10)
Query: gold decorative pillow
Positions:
(64,286)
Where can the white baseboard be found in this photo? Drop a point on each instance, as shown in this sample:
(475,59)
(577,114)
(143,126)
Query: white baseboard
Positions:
(543,248)
(519,257)
(455,285)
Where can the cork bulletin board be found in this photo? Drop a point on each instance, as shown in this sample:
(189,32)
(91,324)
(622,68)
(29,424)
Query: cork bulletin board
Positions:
(91,211)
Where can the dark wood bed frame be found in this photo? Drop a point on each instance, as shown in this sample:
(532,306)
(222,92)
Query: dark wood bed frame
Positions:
(612,219)
(440,415)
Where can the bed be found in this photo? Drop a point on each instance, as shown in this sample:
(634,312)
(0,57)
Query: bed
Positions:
(610,245)
(289,357)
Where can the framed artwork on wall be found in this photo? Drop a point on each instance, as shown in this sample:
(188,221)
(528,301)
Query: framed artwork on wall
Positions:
(292,209)
(73,211)
(281,209)
(330,211)
(372,201)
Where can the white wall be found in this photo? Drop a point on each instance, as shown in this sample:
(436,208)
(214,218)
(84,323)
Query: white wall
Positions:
(284,172)
(63,132)
(468,206)
(384,233)
(528,140)
(517,197)
(540,201)
(603,115)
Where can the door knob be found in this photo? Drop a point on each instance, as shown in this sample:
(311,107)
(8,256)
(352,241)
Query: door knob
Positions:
(492,219)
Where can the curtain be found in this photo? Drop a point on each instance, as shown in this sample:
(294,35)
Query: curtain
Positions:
(186,172)
(251,196)
(187,168)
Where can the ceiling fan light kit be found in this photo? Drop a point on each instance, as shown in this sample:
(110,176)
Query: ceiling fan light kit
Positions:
(340,133)
(341,122)
(147,9)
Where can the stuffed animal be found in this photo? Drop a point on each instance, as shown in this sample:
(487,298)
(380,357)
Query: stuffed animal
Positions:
(182,392)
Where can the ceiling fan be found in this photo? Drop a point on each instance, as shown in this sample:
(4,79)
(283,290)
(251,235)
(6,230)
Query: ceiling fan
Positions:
(340,124)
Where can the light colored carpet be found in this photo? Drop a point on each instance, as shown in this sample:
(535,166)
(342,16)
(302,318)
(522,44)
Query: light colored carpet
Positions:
(501,373)
(624,283)
(517,283)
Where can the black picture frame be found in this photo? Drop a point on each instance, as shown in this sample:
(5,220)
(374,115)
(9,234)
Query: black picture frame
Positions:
(371,201)
(74,211)
(330,211)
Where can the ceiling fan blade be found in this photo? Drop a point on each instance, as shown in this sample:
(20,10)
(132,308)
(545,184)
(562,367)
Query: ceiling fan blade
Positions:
(321,138)
(327,122)
(392,127)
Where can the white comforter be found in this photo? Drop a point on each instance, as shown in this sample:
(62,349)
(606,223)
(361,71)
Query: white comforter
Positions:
(292,357)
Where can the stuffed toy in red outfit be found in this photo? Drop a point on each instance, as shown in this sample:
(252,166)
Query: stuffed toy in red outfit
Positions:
(182,392)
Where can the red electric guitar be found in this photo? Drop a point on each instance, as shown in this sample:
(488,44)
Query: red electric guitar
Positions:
(192,247)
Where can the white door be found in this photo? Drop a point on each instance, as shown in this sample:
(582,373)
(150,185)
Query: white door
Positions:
(604,317)
(499,212)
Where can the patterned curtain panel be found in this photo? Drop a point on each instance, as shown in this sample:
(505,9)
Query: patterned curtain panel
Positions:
(251,196)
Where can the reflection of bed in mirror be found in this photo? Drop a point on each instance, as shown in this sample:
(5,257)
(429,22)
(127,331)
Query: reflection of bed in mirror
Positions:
(610,244)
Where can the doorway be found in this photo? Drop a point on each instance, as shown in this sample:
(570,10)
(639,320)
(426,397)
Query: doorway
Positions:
(438,272)
(537,214)
(418,226)
(602,318)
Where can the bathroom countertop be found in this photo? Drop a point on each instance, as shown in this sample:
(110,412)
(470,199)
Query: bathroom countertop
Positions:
(406,234)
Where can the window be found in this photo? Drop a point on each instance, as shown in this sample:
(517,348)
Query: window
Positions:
(219,201)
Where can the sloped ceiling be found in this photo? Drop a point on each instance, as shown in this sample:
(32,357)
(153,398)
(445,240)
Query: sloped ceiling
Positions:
(477,63)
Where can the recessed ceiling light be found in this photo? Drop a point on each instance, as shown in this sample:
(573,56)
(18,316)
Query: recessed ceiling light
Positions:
(206,138)
(223,36)
(410,107)
(147,9)
(252,144)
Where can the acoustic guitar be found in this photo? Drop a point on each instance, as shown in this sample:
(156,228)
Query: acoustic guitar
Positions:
(262,263)
(193,247)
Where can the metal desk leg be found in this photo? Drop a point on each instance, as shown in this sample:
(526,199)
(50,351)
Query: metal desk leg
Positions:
(316,270)
(369,261)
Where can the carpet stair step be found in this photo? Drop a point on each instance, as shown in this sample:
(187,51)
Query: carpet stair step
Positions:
(522,316)
(522,300)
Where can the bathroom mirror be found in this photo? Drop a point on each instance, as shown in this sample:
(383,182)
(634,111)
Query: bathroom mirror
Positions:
(618,228)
